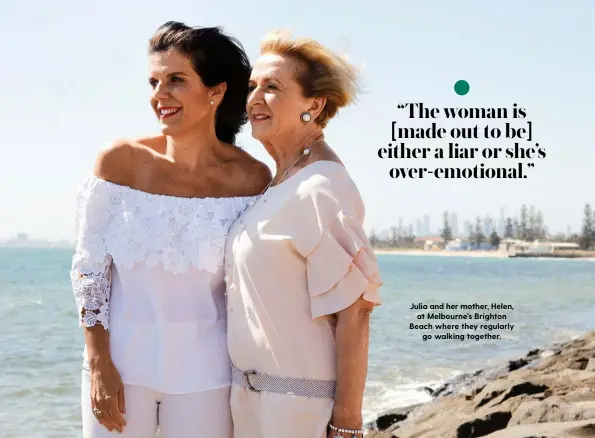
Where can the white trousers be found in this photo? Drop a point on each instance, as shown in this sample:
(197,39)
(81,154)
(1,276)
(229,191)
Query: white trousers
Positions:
(198,415)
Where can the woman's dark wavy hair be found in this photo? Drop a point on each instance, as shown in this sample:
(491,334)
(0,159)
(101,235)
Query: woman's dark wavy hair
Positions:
(216,58)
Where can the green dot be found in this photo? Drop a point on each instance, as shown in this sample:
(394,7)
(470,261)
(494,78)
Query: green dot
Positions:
(461,87)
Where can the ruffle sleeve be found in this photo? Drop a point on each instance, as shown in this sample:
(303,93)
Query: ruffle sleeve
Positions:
(90,273)
(341,265)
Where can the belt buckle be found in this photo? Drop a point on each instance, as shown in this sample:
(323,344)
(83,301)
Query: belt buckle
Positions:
(245,375)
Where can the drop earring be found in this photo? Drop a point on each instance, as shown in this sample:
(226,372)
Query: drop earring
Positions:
(306,117)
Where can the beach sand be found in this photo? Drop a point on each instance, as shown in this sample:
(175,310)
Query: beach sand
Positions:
(442,253)
(472,254)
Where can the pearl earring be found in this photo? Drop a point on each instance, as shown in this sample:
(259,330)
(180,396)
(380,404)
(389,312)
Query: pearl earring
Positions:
(212,102)
(306,117)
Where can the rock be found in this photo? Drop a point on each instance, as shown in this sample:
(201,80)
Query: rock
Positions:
(527,388)
(470,383)
(490,392)
(484,426)
(428,390)
(502,390)
(579,364)
(388,418)
(516,364)
(552,410)
(547,353)
(571,429)
(548,393)
(579,395)
(533,352)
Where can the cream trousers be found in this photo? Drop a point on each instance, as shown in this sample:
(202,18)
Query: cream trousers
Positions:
(197,415)
(270,415)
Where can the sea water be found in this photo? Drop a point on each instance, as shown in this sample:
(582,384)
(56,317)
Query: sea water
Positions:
(551,300)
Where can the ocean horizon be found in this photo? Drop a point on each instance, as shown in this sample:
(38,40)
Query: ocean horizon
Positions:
(436,321)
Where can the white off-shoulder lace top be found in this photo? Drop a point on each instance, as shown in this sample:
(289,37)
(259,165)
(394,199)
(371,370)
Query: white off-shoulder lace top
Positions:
(149,268)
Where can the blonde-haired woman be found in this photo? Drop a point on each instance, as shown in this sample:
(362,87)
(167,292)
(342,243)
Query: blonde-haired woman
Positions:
(302,279)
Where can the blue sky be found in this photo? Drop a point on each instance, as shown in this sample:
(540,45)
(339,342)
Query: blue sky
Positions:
(74,77)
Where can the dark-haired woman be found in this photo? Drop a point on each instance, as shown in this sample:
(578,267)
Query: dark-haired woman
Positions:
(147,273)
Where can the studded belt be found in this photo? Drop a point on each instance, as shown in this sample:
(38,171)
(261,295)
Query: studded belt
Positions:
(260,382)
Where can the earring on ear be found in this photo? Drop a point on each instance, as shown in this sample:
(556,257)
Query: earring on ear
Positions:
(212,102)
(306,117)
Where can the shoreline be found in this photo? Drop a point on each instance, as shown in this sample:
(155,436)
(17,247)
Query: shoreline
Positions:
(469,254)
(441,253)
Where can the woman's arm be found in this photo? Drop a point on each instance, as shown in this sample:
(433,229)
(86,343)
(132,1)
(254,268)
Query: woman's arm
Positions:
(91,282)
(343,282)
(352,340)
(97,342)
(107,389)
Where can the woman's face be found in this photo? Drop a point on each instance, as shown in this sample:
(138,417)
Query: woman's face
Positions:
(180,100)
(276,101)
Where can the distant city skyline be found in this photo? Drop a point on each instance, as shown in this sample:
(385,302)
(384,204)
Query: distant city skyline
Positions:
(431,225)
(23,240)
(425,225)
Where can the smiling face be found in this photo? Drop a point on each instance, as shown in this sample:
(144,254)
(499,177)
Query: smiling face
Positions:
(276,100)
(180,100)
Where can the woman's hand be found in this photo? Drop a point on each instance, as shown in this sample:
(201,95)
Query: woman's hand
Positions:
(107,396)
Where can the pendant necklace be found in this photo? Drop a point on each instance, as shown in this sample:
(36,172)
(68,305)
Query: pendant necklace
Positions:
(251,204)
(304,153)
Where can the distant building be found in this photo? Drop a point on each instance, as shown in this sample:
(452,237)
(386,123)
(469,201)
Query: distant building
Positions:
(517,246)
(501,223)
(454,225)
(488,226)
(550,247)
(466,230)
(429,243)
(458,245)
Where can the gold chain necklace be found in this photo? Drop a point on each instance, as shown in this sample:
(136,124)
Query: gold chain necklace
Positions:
(251,204)
(304,153)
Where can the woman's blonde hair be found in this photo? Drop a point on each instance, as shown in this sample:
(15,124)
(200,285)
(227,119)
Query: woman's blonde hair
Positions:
(324,74)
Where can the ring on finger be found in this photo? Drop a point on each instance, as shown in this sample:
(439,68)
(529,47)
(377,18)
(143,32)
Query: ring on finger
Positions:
(97,412)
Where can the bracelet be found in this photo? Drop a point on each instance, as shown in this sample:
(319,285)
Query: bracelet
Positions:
(354,432)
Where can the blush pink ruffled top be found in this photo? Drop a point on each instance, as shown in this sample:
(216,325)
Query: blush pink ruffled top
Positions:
(297,256)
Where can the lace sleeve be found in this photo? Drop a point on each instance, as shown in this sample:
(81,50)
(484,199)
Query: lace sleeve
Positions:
(90,273)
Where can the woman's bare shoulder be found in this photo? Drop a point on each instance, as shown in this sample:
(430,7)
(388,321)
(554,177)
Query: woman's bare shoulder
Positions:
(250,174)
(118,161)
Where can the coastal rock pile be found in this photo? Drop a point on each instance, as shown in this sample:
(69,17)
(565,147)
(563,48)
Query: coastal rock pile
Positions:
(545,394)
